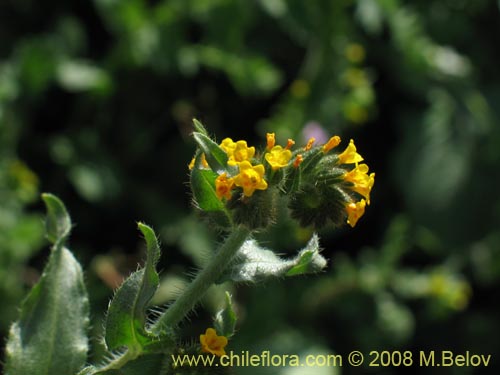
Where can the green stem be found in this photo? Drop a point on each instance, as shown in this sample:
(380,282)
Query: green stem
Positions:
(204,280)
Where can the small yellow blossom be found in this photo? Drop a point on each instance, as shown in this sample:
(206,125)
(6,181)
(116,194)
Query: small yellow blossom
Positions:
(250,178)
(298,160)
(237,151)
(350,155)
(241,153)
(211,343)
(203,162)
(223,186)
(278,157)
(228,145)
(363,182)
(355,211)
(271,140)
(289,144)
(309,144)
(332,143)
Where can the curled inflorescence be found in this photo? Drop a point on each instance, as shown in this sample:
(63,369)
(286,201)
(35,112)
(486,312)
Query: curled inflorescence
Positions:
(322,186)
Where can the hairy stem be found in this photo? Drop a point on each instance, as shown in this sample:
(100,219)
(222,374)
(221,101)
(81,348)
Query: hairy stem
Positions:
(204,280)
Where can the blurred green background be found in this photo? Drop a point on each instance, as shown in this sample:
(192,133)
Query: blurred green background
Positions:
(96,102)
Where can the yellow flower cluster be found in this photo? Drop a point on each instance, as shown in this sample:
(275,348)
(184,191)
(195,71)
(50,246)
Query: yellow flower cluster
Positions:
(250,177)
(212,343)
(251,174)
(237,152)
(361,181)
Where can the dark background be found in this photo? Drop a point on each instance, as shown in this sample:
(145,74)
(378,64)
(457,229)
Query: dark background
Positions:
(96,103)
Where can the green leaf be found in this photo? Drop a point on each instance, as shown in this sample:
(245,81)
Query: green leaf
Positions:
(203,187)
(51,334)
(225,320)
(58,222)
(198,126)
(126,318)
(216,157)
(254,264)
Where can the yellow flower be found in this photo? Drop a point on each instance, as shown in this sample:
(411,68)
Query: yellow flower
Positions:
(203,162)
(228,146)
(271,140)
(309,144)
(241,153)
(278,157)
(250,178)
(332,143)
(298,160)
(355,211)
(289,144)
(350,155)
(237,151)
(223,186)
(211,343)
(363,182)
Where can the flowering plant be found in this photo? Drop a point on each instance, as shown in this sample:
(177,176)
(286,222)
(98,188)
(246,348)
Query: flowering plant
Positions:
(236,188)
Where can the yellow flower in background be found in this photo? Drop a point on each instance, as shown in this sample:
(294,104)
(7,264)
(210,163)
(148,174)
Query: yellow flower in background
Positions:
(309,144)
(350,156)
(332,143)
(223,186)
(363,182)
(355,52)
(241,153)
(355,211)
(250,178)
(278,157)
(271,140)
(211,343)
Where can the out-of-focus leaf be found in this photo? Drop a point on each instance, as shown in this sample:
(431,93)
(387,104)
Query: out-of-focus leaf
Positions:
(76,75)
(249,74)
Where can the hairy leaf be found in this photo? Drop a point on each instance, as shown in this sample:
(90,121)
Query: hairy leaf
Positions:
(203,186)
(126,318)
(198,126)
(216,157)
(225,320)
(51,334)
(254,264)
(58,222)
